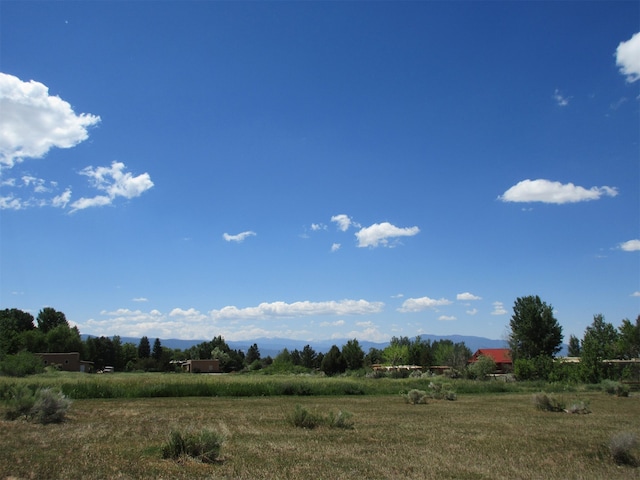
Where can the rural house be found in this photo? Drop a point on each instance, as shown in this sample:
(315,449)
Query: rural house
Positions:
(502,357)
(69,362)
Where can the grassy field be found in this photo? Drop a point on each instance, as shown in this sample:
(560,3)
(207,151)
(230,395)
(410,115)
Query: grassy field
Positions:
(490,436)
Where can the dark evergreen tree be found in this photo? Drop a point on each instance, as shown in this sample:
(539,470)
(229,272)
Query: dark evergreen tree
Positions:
(253,354)
(144,348)
(353,355)
(333,363)
(157,350)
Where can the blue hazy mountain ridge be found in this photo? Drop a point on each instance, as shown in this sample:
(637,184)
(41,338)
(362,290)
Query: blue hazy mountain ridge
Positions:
(273,346)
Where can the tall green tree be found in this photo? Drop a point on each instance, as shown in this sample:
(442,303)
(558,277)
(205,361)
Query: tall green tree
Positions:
(629,339)
(156,353)
(535,332)
(13,324)
(62,339)
(333,363)
(144,348)
(598,344)
(309,357)
(455,355)
(353,355)
(574,346)
(253,354)
(49,318)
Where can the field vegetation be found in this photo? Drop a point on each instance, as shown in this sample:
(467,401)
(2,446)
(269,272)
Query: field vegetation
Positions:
(480,435)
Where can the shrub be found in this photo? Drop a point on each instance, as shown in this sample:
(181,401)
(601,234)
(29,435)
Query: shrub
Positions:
(547,403)
(579,407)
(19,402)
(204,446)
(50,406)
(415,397)
(340,420)
(621,448)
(21,364)
(615,388)
(303,418)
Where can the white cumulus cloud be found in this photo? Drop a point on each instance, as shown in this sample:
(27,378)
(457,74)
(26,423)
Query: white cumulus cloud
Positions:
(628,58)
(631,245)
(419,304)
(466,296)
(238,237)
(380,233)
(299,309)
(547,191)
(335,247)
(114,182)
(33,122)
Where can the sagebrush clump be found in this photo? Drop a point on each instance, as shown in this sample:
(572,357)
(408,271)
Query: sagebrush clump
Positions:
(303,418)
(204,446)
(548,403)
(44,406)
(621,447)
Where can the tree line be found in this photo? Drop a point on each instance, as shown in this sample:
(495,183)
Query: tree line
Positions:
(50,331)
(534,340)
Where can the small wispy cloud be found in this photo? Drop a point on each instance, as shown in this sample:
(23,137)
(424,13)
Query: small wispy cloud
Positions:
(498,309)
(636,294)
(466,296)
(446,318)
(337,323)
(343,221)
(561,100)
(140,299)
(473,311)
(335,247)
(238,238)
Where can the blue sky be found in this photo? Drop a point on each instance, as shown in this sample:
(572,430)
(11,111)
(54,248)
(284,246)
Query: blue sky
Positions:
(318,170)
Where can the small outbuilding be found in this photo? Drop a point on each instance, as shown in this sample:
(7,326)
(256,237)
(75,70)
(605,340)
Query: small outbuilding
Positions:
(69,362)
(202,366)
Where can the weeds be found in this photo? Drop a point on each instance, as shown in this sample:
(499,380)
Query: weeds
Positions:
(303,418)
(204,446)
(415,397)
(621,447)
(548,403)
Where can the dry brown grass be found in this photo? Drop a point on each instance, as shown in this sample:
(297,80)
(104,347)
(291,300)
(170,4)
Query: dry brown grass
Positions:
(476,437)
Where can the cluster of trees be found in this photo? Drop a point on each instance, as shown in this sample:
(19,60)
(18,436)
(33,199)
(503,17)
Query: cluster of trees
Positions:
(50,332)
(536,337)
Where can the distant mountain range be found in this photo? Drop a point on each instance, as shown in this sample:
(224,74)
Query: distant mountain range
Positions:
(273,346)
